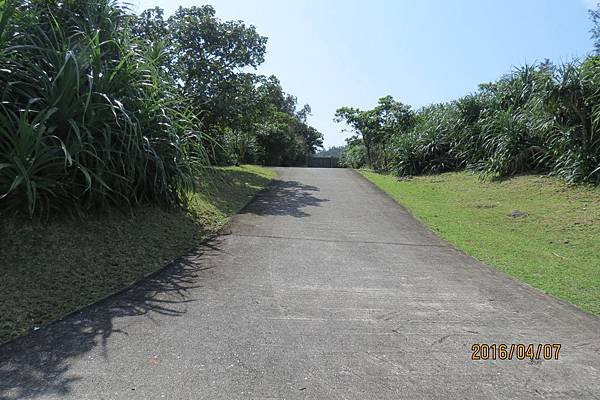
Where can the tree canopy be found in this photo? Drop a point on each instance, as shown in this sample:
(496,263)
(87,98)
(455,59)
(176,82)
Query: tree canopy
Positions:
(242,111)
(376,126)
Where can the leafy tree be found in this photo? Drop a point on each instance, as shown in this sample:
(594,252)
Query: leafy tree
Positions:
(354,155)
(284,136)
(208,57)
(376,126)
(363,124)
(313,139)
(241,111)
(150,26)
(392,118)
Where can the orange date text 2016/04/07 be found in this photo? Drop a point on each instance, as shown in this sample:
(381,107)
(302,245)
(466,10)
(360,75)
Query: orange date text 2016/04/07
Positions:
(518,351)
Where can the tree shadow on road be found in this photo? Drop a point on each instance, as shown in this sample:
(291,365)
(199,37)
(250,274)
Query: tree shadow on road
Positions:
(285,198)
(39,363)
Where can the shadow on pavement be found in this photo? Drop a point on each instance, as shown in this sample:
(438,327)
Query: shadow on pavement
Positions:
(285,198)
(38,364)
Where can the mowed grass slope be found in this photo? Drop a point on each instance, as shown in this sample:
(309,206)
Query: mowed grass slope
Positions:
(555,248)
(50,269)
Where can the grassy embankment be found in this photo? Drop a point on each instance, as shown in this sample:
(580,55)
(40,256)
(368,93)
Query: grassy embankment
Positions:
(555,248)
(50,269)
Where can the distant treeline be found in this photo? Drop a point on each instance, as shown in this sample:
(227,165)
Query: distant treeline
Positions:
(541,118)
(103,107)
(333,151)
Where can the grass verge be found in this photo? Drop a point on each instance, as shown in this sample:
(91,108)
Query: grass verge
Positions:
(555,247)
(50,269)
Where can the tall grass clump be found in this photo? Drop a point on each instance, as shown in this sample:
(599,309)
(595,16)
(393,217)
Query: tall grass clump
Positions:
(510,138)
(574,131)
(430,146)
(88,117)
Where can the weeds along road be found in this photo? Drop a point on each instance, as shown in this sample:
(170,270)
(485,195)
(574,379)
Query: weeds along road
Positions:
(323,288)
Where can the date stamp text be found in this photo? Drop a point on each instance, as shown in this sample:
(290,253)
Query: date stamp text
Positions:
(518,351)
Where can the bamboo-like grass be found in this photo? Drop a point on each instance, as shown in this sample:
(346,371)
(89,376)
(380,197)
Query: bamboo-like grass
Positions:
(88,117)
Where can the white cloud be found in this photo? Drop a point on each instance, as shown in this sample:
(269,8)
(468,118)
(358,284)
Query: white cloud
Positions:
(590,4)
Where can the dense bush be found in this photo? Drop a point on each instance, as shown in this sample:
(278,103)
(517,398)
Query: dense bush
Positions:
(429,147)
(355,154)
(541,118)
(574,131)
(87,116)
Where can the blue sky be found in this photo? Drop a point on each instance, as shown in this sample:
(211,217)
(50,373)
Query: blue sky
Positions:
(333,53)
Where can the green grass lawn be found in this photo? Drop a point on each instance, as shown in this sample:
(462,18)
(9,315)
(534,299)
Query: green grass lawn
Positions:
(50,269)
(555,248)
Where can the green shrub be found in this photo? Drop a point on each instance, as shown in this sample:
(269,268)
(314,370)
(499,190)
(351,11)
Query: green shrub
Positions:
(574,137)
(355,155)
(428,148)
(88,117)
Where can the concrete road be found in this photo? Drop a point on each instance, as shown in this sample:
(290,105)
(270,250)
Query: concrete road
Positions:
(323,288)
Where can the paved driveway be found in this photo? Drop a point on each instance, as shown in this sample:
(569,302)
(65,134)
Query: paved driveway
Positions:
(323,288)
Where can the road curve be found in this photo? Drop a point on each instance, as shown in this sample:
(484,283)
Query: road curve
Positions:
(322,288)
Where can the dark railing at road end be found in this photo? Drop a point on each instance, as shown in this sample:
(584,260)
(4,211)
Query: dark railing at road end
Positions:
(322,162)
